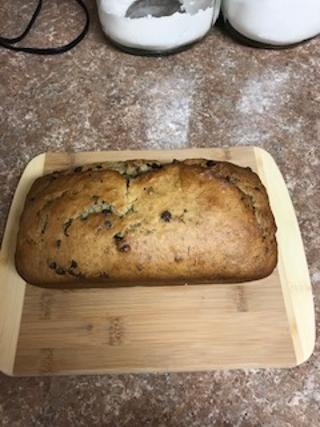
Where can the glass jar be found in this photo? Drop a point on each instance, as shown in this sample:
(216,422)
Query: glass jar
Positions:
(272,23)
(157,26)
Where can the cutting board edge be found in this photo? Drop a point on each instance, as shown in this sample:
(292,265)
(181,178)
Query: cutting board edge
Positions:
(295,281)
(152,370)
(12,286)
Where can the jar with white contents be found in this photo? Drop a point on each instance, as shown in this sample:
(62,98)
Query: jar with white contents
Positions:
(157,26)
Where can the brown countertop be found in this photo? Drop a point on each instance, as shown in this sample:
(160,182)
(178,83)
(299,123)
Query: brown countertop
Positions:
(217,94)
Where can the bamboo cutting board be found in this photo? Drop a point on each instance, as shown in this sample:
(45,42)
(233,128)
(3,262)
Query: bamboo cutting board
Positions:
(266,323)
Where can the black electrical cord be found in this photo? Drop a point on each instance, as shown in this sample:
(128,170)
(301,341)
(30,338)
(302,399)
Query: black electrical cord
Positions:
(8,43)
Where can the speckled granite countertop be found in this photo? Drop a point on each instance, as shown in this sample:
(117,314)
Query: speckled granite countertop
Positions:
(217,94)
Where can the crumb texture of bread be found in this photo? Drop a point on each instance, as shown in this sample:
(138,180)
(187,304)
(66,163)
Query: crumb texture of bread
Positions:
(193,221)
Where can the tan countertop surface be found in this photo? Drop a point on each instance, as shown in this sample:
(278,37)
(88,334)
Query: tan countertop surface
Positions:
(219,93)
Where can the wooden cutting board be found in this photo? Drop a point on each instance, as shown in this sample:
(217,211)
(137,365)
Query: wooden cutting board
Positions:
(266,323)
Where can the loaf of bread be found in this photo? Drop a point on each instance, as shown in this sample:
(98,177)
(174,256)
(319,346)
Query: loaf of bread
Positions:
(146,222)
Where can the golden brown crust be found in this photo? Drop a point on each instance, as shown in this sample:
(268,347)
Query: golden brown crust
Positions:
(146,222)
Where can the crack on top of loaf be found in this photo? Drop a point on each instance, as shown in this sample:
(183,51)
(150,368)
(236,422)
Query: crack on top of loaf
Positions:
(132,169)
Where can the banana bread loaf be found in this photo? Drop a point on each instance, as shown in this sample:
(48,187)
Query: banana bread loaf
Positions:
(146,222)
